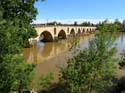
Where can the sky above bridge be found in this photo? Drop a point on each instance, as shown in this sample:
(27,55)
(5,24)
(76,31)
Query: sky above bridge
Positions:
(68,11)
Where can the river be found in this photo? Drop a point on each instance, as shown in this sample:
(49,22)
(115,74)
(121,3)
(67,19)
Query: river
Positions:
(49,56)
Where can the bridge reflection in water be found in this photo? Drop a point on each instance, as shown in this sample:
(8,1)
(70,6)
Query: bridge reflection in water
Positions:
(49,55)
(42,52)
(56,53)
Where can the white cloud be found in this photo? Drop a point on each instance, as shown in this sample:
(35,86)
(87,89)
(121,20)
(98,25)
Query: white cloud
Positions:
(71,21)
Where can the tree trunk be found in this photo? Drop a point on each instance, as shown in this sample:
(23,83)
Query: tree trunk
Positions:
(91,88)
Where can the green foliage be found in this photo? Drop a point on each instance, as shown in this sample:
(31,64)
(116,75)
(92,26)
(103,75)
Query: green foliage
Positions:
(123,26)
(46,81)
(75,23)
(122,61)
(86,24)
(15,30)
(121,83)
(118,24)
(54,23)
(15,74)
(92,68)
(17,16)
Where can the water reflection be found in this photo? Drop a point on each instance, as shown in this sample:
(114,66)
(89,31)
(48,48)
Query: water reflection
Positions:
(41,44)
(120,42)
(49,55)
(45,51)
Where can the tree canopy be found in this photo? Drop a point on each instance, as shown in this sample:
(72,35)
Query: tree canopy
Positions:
(15,30)
(92,68)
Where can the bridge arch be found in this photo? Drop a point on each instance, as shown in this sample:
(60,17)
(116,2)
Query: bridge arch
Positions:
(79,31)
(87,30)
(83,30)
(90,30)
(62,34)
(72,32)
(46,36)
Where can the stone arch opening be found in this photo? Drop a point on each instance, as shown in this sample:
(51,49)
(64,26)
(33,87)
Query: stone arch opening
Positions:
(72,32)
(83,31)
(62,34)
(87,30)
(46,36)
(79,31)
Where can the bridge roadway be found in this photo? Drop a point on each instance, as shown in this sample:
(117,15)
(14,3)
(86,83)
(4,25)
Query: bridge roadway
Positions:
(52,33)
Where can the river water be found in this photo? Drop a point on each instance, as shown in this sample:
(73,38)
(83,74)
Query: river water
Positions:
(49,56)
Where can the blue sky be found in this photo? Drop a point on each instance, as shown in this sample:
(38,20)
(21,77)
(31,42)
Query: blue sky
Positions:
(80,9)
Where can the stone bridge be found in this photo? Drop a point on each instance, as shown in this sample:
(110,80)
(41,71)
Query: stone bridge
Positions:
(52,33)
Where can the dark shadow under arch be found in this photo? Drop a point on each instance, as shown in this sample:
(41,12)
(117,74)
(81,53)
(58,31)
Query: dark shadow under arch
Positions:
(47,37)
(79,31)
(83,31)
(72,32)
(62,34)
(87,30)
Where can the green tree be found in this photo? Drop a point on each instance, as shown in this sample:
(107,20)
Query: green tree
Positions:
(92,68)
(46,81)
(118,24)
(16,74)
(106,21)
(122,61)
(75,23)
(15,30)
(19,15)
(123,26)
(54,23)
(86,24)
